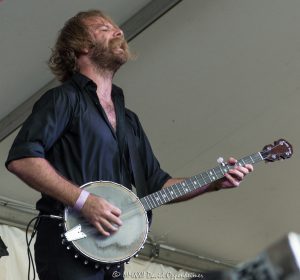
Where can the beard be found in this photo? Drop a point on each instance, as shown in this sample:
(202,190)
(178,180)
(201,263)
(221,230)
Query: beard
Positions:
(112,56)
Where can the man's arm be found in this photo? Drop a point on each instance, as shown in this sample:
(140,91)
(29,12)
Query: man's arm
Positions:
(231,179)
(39,174)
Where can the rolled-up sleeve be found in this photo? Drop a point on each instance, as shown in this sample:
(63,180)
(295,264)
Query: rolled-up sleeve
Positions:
(50,116)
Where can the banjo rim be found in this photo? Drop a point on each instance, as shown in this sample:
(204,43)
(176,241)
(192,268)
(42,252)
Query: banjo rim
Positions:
(98,260)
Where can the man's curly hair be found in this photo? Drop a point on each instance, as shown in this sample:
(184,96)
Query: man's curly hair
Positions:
(72,39)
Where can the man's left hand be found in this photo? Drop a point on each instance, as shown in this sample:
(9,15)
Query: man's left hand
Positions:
(234,176)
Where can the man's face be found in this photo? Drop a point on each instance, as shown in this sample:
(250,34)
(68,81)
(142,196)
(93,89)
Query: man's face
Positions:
(110,49)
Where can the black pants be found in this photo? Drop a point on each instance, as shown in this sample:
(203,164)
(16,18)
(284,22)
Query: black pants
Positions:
(55,262)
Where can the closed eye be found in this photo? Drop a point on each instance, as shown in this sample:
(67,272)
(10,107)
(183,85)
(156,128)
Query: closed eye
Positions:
(104,28)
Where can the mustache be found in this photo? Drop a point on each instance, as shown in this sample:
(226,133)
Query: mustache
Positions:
(118,43)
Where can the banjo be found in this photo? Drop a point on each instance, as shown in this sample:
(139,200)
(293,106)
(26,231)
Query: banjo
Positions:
(120,246)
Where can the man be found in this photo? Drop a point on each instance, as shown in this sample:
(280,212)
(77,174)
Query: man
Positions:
(78,133)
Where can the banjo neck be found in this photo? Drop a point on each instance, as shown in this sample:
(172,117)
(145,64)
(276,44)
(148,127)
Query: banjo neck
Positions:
(191,184)
(281,149)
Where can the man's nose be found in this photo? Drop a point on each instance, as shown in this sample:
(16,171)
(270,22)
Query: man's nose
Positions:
(118,32)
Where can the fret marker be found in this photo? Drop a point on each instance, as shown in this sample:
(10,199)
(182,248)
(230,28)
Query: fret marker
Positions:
(171,192)
(157,198)
(186,190)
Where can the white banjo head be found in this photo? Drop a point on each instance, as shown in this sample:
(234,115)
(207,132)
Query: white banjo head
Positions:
(124,243)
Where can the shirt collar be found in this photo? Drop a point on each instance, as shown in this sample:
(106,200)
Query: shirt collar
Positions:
(83,81)
(86,83)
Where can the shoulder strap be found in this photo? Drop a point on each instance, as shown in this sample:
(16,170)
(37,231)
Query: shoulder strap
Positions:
(137,165)
(126,137)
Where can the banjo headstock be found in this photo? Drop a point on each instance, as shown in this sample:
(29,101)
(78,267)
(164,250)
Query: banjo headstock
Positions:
(281,149)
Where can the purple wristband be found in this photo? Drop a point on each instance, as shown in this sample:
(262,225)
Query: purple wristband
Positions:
(81,200)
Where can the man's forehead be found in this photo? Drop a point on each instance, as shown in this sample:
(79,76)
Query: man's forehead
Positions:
(96,20)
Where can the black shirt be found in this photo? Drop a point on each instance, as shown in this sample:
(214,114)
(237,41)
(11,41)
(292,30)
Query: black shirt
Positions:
(70,129)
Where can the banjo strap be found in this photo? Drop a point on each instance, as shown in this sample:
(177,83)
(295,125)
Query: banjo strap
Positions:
(126,137)
(137,165)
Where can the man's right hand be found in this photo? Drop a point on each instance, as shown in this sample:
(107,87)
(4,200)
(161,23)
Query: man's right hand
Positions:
(102,215)
(40,175)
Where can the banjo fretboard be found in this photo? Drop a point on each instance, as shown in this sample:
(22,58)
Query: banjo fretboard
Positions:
(189,185)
